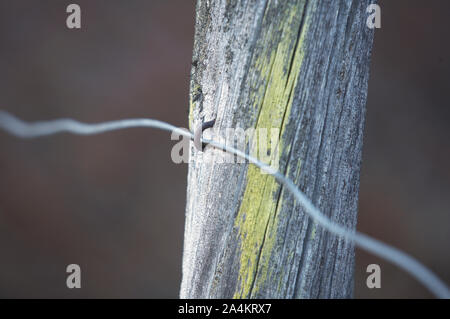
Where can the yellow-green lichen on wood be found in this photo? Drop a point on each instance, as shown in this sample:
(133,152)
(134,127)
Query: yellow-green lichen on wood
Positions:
(193,100)
(256,220)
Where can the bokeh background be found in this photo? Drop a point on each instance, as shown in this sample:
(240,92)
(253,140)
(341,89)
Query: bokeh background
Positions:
(114,203)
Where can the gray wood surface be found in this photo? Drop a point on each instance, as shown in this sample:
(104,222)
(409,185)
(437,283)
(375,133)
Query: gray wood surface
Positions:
(302,67)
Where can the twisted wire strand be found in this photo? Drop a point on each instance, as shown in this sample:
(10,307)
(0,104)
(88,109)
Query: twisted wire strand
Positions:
(420,272)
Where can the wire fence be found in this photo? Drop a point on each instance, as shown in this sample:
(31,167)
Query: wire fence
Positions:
(423,274)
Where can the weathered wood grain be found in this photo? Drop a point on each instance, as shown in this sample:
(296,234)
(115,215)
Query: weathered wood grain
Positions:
(300,66)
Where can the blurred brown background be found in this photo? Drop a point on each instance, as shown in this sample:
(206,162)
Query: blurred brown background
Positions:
(114,203)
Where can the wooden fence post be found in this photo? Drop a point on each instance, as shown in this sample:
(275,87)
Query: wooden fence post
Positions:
(300,66)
